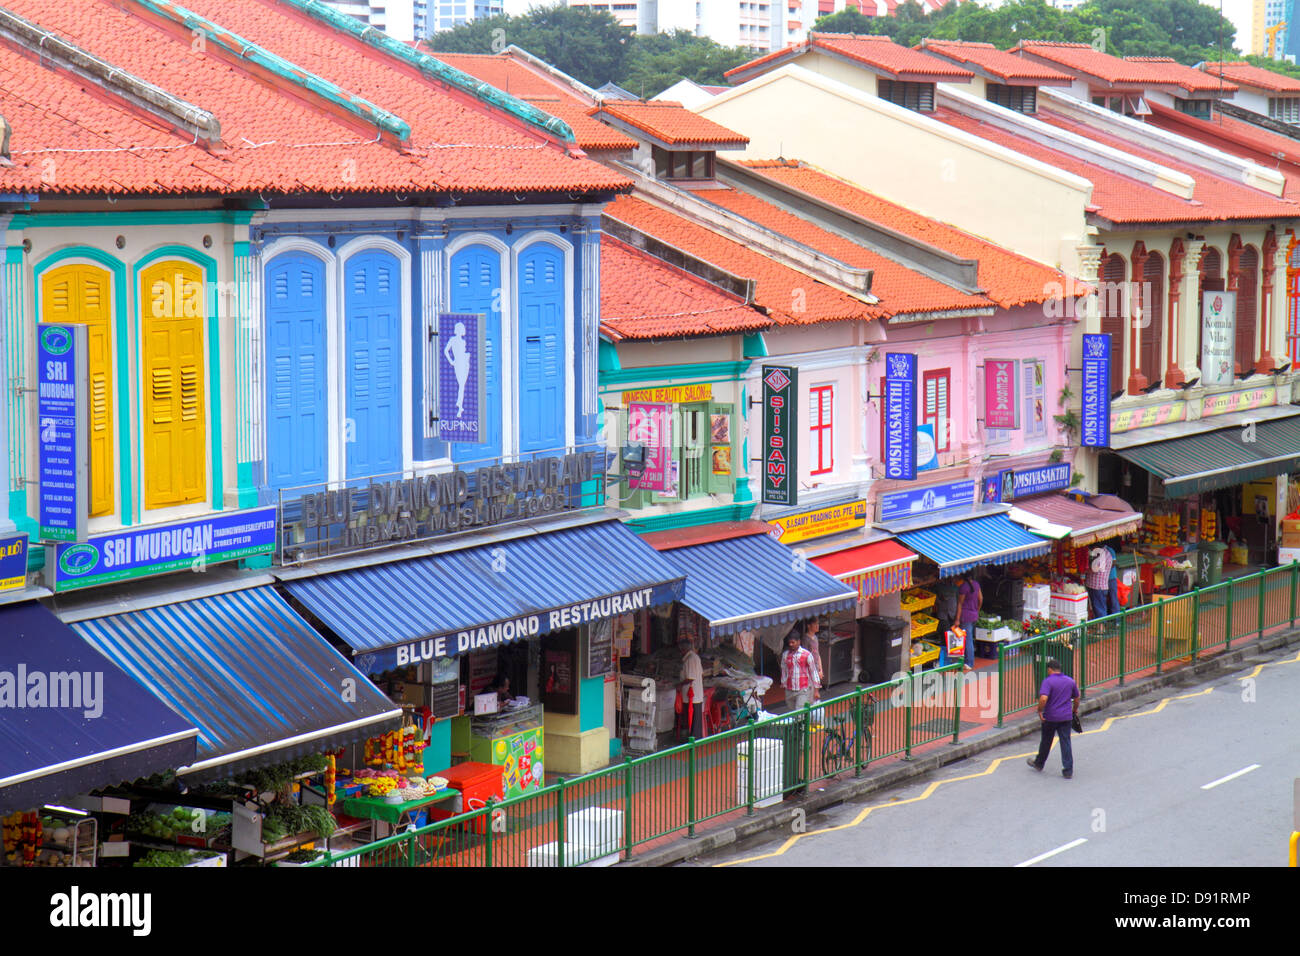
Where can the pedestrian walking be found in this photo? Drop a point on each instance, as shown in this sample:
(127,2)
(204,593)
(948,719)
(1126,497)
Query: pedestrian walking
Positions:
(799,676)
(970,599)
(1058,705)
(945,605)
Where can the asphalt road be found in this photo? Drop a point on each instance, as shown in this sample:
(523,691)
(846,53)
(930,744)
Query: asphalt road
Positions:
(1200,775)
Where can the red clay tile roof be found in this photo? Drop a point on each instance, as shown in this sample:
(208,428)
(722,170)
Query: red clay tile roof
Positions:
(1006,67)
(671,123)
(589,132)
(1238,138)
(1124,199)
(642,297)
(902,291)
(280,138)
(878,52)
(1247,75)
(790,297)
(1008,279)
(1134,70)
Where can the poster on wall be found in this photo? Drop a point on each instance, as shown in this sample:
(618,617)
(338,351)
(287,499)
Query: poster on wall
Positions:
(1218,337)
(927,453)
(650,425)
(720,429)
(1001,393)
(63,441)
(462,396)
(780,459)
(1094,430)
(900,416)
(13,562)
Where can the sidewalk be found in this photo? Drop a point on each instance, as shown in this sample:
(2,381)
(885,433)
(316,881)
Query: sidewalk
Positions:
(889,772)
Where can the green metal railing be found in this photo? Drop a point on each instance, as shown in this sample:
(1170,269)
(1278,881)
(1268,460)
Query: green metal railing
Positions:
(611,812)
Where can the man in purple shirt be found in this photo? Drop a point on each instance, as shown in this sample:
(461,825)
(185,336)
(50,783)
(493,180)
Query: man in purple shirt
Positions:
(1058,703)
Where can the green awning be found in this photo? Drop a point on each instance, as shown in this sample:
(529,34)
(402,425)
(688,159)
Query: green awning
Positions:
(1221,459)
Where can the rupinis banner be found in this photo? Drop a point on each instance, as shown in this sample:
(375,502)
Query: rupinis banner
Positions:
(462,393)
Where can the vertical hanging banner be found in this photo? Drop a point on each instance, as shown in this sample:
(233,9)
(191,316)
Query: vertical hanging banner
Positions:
(13,562)
(1094,432)
(780,441)
(462,396)
(1001,393)
(64,440)
(1218,337)
(900,416)
(650,425)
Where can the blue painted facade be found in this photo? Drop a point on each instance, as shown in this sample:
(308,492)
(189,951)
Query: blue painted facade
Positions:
(347,314)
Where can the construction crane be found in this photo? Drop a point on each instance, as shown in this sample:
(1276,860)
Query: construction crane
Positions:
(1272,37)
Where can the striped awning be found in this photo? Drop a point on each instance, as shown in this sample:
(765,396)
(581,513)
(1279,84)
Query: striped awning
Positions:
(755,581)
(244,668)
(881,567)
(1221,459)
(962,545)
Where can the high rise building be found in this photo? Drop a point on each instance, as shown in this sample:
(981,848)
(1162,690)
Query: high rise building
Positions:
(403,20)
(1268,16)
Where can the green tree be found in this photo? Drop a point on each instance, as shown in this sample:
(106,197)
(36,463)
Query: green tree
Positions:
(656,62)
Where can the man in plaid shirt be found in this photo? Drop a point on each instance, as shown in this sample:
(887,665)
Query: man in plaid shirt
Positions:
(799,674)
(1097,580)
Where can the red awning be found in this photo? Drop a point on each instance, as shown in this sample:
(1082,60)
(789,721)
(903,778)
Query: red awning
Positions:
(1086,523)
(881,567)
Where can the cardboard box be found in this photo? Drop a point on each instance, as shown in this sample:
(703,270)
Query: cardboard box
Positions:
(1289,539)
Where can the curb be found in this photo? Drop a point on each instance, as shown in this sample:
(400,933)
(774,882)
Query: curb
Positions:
(837,792)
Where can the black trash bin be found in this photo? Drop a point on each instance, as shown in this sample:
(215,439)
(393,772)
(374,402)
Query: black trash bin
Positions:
(885,647)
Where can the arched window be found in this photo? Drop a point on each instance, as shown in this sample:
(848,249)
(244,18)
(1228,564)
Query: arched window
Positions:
(1247,308)
(1153,316)
(1113,305)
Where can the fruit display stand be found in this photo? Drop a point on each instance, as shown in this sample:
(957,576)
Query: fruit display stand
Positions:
(42,839)
(923,625)
(923,653)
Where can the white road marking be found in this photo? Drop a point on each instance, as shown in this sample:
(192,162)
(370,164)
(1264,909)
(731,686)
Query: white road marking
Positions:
(1231,776)
(1059,849)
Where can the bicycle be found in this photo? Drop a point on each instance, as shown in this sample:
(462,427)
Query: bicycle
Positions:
(838,749)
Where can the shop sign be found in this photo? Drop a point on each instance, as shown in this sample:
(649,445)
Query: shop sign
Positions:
(379,513)
(651,426)
(900,416)
(158,549)
(780,435)
(901,505)
(1126,420)
(927,452)
(1218,337)
(454,643)
(671,394)
(13,562)
(1238,401)
(816,524)
(1036,481)
(1094,431)
(63,445)
(1001,393)
(462,389)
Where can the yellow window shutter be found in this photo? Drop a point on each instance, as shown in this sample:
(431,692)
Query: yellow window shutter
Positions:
(83,294)
(174,430)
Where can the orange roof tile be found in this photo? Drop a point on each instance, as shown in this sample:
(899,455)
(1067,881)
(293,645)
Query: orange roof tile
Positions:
(642,297)
(1247,75)
(1238,138)
(280,137)
(878,52)
(1008,279)
(901,290)
(1189,78)
(1123,199)
(671,123)
(1130,70)
(508,74)
(590,133)
(1000,65)
(789,297)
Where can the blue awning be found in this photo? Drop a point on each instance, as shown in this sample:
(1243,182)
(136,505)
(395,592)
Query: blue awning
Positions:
(755,581)
(261,686)
(91,725)
(404,612)
(961,545)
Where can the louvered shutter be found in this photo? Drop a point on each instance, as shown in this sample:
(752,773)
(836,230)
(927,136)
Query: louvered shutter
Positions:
(373,374)
(1247,308)
(541,349)
(297,410)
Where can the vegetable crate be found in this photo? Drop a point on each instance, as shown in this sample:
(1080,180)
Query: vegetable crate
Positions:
(917,599)
(923,624)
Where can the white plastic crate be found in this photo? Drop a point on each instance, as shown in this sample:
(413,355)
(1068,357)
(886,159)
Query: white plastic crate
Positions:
(597,831)
(1067,604)
(1038,598)
(767,772)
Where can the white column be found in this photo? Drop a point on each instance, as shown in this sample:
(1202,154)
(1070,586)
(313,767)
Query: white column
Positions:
(433,302)
(1189,311)
(13,370)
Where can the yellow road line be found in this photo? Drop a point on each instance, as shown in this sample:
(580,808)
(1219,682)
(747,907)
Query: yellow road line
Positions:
(936,784)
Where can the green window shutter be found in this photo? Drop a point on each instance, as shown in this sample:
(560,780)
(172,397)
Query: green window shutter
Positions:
(722,484)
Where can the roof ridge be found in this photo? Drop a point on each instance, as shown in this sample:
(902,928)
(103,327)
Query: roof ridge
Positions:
(250,52)
(122,83)
(435,69)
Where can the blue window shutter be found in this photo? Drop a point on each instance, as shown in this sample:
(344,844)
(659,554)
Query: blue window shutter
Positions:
(475,285)
(541,348)
(296,408)
(373,369)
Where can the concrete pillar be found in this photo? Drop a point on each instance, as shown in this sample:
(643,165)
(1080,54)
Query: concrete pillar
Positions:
(1137,309)
(1189,319)
(1269,289)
